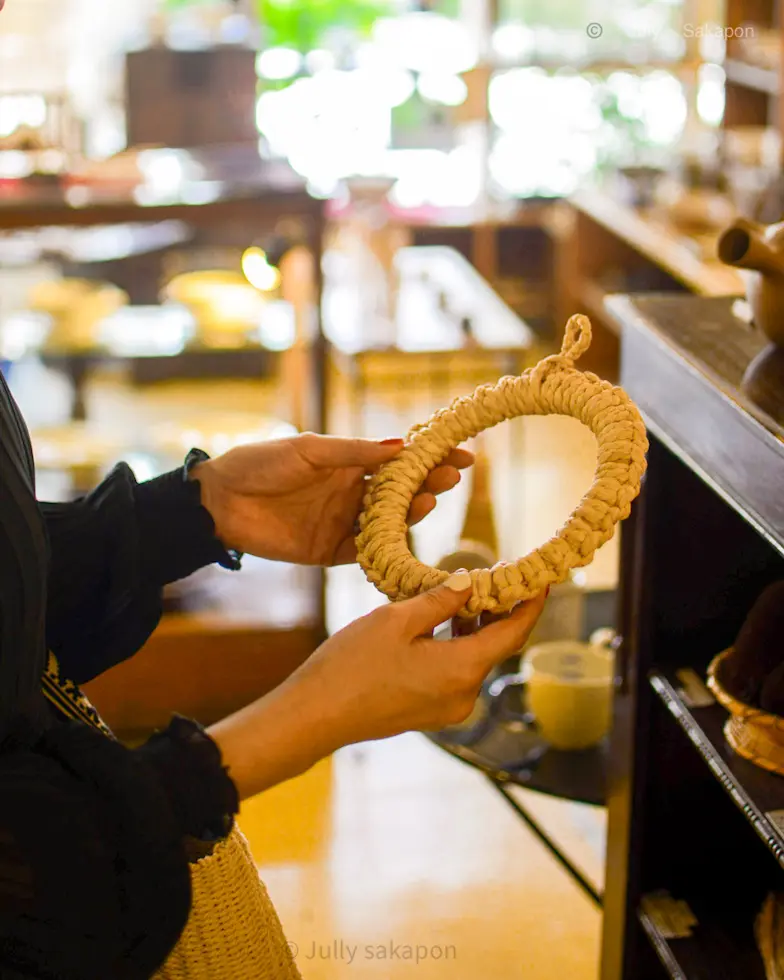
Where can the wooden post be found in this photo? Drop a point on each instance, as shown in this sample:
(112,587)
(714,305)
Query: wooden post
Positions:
(478,544)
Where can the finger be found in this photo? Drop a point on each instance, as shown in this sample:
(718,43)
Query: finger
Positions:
(494,643)
(442,478)
(461,459)
(336,451)
(421,506)
(426,611)
(346,552)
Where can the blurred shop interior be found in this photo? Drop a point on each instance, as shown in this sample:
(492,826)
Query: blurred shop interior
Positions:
(224,221)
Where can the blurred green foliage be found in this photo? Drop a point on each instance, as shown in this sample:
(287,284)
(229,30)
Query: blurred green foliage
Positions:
(303,24)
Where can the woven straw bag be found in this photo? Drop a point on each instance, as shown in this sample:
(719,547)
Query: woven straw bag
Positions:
(233,931)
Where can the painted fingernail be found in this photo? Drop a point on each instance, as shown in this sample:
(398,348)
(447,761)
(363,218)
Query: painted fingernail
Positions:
(459,581)
(392,442)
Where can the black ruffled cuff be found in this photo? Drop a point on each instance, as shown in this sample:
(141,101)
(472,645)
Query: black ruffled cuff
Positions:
(188,762)
(176,533)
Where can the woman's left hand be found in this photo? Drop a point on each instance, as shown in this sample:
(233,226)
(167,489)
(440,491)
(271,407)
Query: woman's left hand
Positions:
(297,500)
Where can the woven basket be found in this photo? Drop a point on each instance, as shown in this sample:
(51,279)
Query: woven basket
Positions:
(233,932)
(754,734)
(769,932)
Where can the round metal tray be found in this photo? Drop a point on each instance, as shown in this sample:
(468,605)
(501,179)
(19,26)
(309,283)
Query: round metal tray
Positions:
(503,742)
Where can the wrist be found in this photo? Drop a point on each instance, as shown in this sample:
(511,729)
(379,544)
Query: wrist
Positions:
(276,738)
(213,500)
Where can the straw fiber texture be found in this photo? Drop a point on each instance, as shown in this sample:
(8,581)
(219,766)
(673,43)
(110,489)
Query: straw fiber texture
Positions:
(552,387)
(233,932)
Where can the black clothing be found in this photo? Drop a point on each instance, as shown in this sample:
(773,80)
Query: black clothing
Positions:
(94,878)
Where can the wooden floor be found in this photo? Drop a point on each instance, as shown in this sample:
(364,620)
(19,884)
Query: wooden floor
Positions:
(397,847)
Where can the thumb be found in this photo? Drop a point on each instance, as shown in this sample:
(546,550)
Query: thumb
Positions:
(504,637)
(425,612)
(335,451)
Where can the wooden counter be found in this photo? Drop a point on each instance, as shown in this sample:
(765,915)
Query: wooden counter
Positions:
(190,185)
(661,243)
(686,815)
(612,248)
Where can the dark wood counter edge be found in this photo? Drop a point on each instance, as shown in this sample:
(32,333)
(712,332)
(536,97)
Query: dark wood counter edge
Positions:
(702,420)
(38,214)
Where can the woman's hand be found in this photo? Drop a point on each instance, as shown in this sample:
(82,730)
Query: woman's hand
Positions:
(381,676)
(298,499)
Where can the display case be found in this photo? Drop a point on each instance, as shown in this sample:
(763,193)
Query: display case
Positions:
(695,832)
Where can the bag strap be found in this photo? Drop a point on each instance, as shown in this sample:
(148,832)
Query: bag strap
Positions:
(69,700)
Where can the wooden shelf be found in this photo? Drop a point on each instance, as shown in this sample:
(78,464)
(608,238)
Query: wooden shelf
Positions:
(660,243)
(713,952)
(597,65)
(530,214)
(758,794)
(591,295)
(702,344)
(751,76)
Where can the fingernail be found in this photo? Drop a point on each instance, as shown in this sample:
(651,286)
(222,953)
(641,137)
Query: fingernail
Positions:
(459,581)
(547,591)
(392,442)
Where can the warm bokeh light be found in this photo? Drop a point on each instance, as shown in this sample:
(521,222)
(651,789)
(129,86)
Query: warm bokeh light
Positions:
(278,63)
(426,41)
(259,272)
(442,88)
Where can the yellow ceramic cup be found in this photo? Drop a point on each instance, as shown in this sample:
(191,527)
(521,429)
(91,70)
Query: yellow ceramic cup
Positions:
(568,689)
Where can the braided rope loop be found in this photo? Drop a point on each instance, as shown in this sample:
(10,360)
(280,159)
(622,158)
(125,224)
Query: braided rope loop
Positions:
(552,387)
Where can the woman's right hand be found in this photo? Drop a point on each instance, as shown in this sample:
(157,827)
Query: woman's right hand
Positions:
(382,675)
(385,673)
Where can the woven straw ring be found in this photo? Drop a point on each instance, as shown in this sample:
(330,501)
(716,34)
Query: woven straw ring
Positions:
(553,387)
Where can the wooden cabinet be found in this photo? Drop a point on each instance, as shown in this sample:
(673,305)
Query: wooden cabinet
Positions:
(686,815)
(516,255)
(753,84)
(191,98)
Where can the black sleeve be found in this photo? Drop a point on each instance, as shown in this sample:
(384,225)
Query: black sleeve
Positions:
(111,553)
(94,879)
